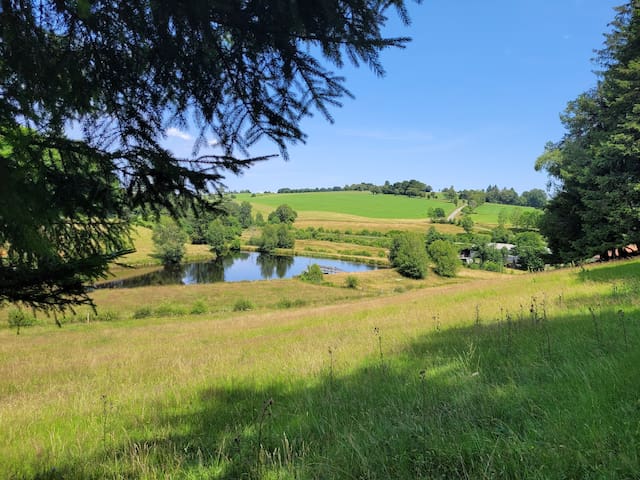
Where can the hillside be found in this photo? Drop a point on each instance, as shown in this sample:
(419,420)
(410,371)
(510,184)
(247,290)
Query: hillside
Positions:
(528,376)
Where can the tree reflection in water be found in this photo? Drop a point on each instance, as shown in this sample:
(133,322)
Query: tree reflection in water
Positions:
(239,266)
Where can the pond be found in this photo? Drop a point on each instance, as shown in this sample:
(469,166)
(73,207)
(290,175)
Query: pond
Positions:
(238,267)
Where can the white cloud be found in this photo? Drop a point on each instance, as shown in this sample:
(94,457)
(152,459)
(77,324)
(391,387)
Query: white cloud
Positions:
(174,132)
(212,143)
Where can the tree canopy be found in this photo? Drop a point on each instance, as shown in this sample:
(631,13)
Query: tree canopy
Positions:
(118,75)
(595,165)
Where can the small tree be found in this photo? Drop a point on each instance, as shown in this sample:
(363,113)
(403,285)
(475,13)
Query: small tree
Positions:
(283,214)
(244,215)
(275,236)
(467,224)
(531,250)
(446,258)
(169,239)
(408,255)
(216,237)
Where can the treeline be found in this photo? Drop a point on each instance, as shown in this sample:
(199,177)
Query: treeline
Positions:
(536,198)
(410,188)
(221,229)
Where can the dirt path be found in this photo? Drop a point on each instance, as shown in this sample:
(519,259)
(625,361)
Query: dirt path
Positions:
(455,213)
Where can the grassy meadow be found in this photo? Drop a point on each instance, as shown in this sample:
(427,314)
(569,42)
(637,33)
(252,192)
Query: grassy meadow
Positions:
(487,213)
(365,211)
(361,204)
(483,376)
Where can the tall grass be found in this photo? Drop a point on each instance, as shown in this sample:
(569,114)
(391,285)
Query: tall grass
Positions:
(504,378)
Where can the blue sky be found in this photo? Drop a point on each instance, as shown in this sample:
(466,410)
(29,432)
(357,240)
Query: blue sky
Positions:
(470,102)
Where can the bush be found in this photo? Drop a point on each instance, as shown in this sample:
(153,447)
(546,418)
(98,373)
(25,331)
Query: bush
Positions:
(199,307)
(142,312)
(107,316)
(242,304)
(18,318)
(287,303)
(446,258)
(168,309)
(408,255)
(313,274)
(352,282)
(493,266)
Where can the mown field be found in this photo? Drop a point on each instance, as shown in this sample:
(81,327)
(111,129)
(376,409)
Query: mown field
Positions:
(362,204)
(365,211)
(485,376)
(487,213)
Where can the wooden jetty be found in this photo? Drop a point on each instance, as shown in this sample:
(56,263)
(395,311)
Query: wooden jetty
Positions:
(329,270)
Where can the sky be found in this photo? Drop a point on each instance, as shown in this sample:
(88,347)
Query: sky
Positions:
(470,102)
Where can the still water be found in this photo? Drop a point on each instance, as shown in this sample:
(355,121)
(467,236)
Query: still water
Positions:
(237,267)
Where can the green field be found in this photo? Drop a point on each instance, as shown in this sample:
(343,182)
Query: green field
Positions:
(484,376)
(487,213)
(362,204)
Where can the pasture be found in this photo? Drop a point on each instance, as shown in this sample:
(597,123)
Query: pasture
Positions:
(485,376)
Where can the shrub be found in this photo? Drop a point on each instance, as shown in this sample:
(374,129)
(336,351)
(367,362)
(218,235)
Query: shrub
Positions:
(18,318)
(493,266)
(107,316)
(142,312)
(351,282)
(199,307)
(446,258)
(408,255)
(242,304)
(168,309)
(313,274)
(287,303)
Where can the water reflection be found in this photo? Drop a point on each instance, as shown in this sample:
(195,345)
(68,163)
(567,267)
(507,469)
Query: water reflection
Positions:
(271,265)
(240,266)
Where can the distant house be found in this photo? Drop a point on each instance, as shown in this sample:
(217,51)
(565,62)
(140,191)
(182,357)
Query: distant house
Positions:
(468,255)
(511,259)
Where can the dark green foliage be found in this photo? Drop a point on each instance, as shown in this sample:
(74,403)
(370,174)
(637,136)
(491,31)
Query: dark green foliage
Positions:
(531,250)
(467,224)
(351,282)
(243,305)
(490,257)
(125,72)
(244,215)
(595,165)
(535,198)
(433,235)
(408,255)
(18,318)
(168,240)
(501,235)
(437,213)
(283,214)
(216,237)
(275,236)
(446,258)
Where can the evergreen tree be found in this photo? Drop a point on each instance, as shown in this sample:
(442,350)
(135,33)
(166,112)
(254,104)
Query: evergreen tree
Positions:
(124,73)
(595,165)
